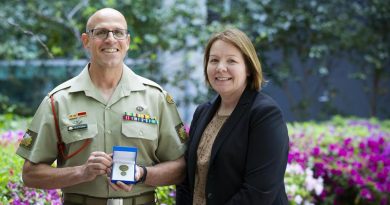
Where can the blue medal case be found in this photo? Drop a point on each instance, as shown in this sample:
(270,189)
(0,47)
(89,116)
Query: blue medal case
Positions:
(124,163)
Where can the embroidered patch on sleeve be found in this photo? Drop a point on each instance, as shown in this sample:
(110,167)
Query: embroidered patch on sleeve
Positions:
(28,139)
(181,132)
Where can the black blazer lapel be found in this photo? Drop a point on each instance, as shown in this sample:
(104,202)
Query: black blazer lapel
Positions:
(205,117)
(242,107)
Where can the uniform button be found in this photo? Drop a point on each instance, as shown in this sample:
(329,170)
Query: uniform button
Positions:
(109,131)
(108,108)
(141,133)
(210,196)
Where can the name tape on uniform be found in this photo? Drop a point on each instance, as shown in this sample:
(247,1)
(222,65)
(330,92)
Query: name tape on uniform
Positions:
(77,127)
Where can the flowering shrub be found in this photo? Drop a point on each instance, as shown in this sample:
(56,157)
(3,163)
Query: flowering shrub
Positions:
(343,161)
(352,157)
(11,186)
(166,195)
(23,195)
(301,185)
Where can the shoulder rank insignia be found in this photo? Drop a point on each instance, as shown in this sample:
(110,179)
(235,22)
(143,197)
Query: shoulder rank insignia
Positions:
(181,132)
(28,139)
(169,99)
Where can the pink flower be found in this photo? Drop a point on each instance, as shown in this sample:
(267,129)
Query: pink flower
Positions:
(366,194)
(316,151)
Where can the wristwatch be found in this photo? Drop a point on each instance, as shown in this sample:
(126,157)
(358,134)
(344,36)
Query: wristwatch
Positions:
(143,177)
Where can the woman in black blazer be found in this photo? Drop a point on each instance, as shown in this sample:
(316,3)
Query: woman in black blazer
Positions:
(238,145)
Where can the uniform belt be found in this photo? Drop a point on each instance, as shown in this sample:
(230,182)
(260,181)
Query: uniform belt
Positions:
(78,199)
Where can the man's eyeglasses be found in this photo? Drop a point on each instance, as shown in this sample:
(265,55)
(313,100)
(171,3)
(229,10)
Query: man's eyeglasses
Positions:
(102,33)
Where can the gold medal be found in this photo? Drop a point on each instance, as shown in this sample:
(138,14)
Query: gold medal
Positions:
(123,168)
(123,173)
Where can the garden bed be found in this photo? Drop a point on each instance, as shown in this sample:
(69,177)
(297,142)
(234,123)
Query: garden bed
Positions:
(342,161)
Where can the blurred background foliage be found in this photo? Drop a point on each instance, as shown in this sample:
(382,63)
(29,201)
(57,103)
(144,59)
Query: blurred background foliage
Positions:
(302,44)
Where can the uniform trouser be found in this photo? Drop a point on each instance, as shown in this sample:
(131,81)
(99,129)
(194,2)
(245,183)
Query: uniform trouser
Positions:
(78,199)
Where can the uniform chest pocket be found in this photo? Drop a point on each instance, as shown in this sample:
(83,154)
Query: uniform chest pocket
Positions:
(133,129)
(70,135)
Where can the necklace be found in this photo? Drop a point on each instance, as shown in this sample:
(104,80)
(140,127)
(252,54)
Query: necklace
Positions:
(223,114)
